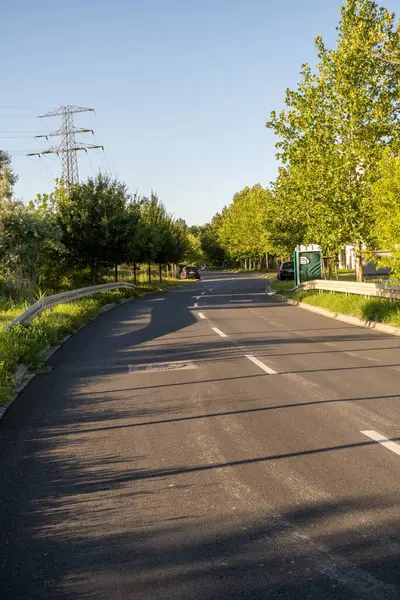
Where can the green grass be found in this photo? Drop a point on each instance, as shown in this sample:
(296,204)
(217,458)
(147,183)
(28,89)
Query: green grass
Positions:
(380,310)
(25,344)
(347,277)
(8,314)
(369,309)
(283,287)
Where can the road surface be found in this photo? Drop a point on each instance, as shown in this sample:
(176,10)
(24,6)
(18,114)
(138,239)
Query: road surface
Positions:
(206,443)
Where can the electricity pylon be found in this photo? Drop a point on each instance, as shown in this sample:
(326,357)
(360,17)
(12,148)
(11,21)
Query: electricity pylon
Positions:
(68,146)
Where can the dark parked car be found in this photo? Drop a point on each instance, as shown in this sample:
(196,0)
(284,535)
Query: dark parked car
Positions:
(286,271)
(190,273)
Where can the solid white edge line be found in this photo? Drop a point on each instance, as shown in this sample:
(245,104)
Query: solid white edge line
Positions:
(381,439)
(237,301)
(261,364)
(201,315)
(221,333)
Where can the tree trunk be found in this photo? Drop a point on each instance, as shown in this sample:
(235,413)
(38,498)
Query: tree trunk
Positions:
(160,271)
(329,269)
(266,262)
(337,266)
(116,272)
(134,273)
(167,270)
(149,272)
(359,263)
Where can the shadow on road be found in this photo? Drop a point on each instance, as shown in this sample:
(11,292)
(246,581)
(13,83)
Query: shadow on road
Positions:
(90,529)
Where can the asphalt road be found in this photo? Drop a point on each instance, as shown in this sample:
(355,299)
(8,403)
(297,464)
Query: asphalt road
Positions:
(221,451)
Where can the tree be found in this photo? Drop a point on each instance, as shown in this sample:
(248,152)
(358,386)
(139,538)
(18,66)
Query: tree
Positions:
(7,176)
(93,220)
(386,203)
(194,253)
(26,242)
(243,232)
(336,127)
(215,254)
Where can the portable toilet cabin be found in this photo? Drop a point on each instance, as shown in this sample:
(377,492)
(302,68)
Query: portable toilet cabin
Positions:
(307,263)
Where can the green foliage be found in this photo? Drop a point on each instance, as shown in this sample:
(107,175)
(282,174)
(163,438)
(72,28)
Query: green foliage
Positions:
(335,128)
(93,219)
(24,344)
(386,209)
(369,309)
(215,254)
(244,231)
(162,238)
(194,253)
(7,176)
(27,242)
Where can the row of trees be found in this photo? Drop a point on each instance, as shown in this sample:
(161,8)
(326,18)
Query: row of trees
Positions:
(95,225)
(338,145)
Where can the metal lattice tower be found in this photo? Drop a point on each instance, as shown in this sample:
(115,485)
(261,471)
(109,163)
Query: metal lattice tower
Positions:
(68,147)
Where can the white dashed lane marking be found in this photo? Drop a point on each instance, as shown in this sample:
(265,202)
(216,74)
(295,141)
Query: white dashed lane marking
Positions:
(377,437)
(221,333)
(261,364)
(201,315)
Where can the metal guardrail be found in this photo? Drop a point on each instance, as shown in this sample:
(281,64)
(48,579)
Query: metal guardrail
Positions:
(49,301)
(379,290)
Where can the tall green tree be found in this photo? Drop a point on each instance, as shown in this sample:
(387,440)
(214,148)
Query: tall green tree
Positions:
(194,253)
(93,219)
(336,126)
(211,244)
(386,204)
(244,232)
(163,239)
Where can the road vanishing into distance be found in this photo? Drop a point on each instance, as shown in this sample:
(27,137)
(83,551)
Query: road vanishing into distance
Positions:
(206,443)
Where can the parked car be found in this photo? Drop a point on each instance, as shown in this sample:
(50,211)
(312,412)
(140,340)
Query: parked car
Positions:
(286,271)
(189,272)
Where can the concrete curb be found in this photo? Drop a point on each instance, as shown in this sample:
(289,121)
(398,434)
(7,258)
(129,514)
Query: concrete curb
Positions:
(382,327)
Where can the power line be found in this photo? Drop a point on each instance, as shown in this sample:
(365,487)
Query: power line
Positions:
(68,147)
(24,107)
(15,137)
(47,169)
(107,161)
(91,164)
(104,151)
(18,117)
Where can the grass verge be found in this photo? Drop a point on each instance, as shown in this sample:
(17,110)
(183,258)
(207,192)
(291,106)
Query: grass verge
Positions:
(25,344)
(283,287)
(380,310)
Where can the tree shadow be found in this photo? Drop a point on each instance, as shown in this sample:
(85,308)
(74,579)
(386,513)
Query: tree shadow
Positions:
(61,538)
(78,527)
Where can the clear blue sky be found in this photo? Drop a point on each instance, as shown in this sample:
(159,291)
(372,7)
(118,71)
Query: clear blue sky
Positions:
(181,88)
